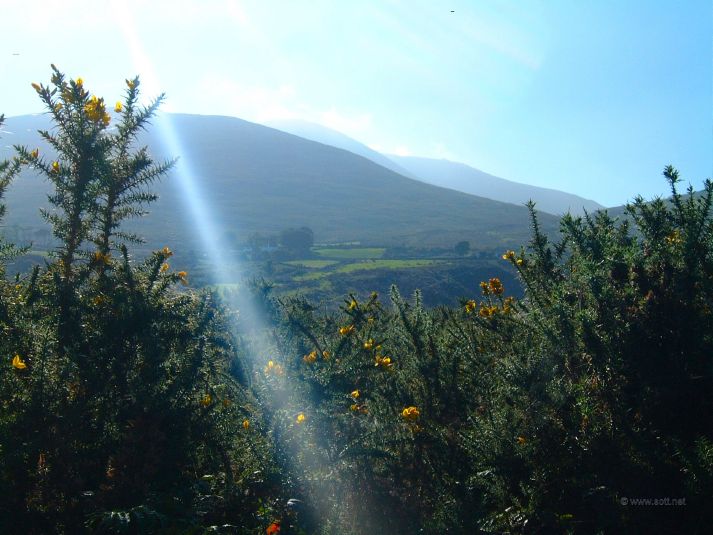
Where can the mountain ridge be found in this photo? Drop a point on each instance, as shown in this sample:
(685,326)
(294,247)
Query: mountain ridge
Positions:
(258,179)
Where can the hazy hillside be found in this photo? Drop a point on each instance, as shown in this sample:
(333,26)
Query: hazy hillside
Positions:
(322,134)
(258,179)
(467,179)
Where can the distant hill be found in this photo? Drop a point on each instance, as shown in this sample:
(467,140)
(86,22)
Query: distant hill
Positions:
(447,174)
(327,136)
(467,179)
(258,179)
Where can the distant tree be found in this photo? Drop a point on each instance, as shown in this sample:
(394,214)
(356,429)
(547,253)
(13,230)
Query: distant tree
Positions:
(462,248)
(297,240)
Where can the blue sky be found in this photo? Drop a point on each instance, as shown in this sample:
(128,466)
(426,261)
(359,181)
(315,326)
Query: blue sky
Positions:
(591,97)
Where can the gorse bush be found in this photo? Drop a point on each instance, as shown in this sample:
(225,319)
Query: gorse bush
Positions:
(116,386)
(552,414)
(129,404)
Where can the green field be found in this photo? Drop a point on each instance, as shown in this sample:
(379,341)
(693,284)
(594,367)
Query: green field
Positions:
(356,253)
(314,264)
(368,265)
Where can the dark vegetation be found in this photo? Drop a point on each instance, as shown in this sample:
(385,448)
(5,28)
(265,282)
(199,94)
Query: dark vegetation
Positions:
(131,404)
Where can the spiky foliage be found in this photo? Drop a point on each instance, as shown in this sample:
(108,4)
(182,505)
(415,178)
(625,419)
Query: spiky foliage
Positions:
(553,414)
(118,400)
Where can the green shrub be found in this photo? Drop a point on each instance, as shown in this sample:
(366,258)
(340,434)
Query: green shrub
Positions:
(116,385)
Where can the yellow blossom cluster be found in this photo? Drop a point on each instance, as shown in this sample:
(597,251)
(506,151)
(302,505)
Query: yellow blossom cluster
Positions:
(246,424)
(492,287)
(96,110)
(206,400)
(674,238)
(353,304)
(166,252)
(183,277)
(164,267)
(300,418)
(18,363)
(410,414)
(311,358)
(487,311)
(383,362)
(346,330)
(274,369)
(507,304)
(470,306)
(101,258)
(510,255)
(355,407)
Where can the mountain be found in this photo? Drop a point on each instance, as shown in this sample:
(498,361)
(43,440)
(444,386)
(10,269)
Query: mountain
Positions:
(257,179)
(327,136)
(444,173)
(461,177)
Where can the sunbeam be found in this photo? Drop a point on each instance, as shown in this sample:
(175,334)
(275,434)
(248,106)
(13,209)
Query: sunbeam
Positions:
(286,408)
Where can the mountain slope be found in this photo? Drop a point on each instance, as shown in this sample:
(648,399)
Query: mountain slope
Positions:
(327,136)
(467,179)
(256,179)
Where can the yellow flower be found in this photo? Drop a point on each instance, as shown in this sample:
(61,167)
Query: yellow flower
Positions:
(246,424)
(79,82)
(326,354)
(18,363)
(55,167)
(520,262)
(470,306)
(311,358)
(206,400)
(355,394)
(274,369)
(57,106)
(410,414)
(384,362)
(521,440)
(496,287)
(118,107)
(346,331)
(36,87)
(509,255)
(369,344)
(486,312)
(183,277)
(35,153)
(130,84)
(166,252)
(353,304)
(673,238)
(164,267)
(354,407)
(301,418)
(102,258)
